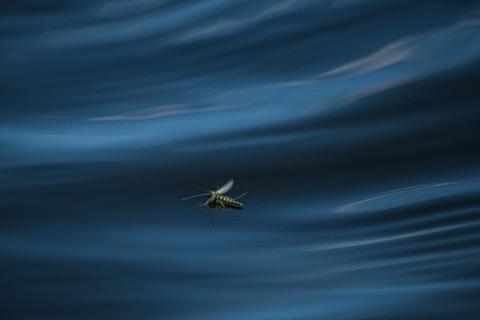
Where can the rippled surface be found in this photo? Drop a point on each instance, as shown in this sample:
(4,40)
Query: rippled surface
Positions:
(354,125)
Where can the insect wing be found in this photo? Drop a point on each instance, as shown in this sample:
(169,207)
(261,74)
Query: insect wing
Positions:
(226,187)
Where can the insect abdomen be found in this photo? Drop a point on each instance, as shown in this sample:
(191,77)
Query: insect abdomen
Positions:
(230,203)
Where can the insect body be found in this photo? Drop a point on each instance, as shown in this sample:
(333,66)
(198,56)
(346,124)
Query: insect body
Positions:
(220,201)
(217,199)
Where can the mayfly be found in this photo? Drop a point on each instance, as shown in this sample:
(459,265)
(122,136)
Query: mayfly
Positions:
(218,199)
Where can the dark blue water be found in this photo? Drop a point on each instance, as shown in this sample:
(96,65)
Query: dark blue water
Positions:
(353,124)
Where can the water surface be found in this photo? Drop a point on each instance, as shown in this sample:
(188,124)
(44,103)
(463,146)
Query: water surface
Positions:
(353,124)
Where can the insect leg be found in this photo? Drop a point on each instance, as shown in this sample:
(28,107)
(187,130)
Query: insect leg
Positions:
(224,207)
(212,218)
(197,195)
(204,204)
(242,195)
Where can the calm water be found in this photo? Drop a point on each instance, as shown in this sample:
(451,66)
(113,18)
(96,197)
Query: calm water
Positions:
(353,124)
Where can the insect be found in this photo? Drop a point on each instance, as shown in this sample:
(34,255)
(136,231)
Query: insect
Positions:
(218,199)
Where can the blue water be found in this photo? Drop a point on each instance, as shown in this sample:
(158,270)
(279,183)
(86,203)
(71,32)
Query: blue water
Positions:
(353,124)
